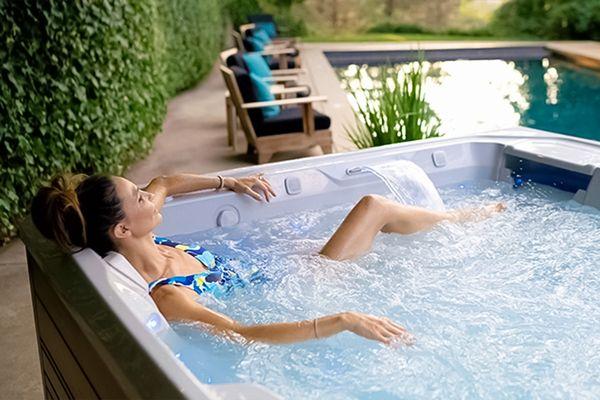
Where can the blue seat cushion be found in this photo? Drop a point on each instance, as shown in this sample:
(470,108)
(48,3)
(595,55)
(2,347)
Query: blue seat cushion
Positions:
(268,27)
(261,35)
(257,64)
(289,120)
(262,92)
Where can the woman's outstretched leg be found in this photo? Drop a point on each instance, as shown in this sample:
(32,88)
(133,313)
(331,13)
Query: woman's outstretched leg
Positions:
(374,213)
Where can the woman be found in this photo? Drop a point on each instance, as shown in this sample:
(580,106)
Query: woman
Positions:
(110,213)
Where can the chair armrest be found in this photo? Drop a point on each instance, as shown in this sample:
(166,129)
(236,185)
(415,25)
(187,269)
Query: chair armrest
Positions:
(278,51)
(277,46)
(287,40)
(288,90)
(288,71)
(285,102)
(292,39)
(281,78)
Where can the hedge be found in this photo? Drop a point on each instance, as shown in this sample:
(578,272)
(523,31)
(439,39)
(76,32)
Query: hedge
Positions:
(85,84)
(193,36)
(552,19)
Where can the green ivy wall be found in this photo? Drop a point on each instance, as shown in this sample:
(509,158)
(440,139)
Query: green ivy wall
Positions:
(84,84)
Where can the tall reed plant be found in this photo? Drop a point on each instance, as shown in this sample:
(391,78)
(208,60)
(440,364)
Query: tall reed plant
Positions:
(390,107)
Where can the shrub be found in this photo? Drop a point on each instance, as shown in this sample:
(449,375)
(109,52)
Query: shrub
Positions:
(392,107)
(81,90)
(388,27)
(84,84)
(238,10)
(553,19)
(193,35)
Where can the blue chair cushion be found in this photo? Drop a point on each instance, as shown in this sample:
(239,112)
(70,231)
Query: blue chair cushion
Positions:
(289,120)
(262,92)
(257,65)
(268,27)
(261,35)
(255,43)
(246,88)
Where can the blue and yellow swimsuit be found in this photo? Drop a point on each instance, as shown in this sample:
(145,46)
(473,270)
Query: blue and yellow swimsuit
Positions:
(219,280)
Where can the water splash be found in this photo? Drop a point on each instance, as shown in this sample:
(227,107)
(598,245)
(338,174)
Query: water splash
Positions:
(503,308)
(409,184)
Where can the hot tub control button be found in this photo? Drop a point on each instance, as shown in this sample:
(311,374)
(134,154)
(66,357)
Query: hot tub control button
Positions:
(228,217)
(439,158)
(293,185)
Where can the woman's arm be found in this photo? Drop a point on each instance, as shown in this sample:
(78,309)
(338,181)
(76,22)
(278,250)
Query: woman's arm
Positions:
(174,304)
(164,186)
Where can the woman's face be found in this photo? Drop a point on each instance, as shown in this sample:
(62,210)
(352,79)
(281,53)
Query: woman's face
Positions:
(141,214)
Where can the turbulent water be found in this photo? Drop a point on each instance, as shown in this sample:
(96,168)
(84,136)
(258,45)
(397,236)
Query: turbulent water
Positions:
(504,308)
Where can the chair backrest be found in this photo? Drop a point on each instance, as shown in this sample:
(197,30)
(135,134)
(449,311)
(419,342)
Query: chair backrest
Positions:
(233,77)
(233,58)
(246,27)
(248,45)
(226,54)
(238,40)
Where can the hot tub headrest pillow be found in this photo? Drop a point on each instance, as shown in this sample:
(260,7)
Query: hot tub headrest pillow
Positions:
(119,263)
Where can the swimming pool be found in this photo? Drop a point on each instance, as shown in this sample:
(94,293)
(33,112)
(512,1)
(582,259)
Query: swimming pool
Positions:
(95,319)
(473,95)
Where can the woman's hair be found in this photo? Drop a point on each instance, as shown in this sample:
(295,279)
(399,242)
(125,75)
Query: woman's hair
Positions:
(78,211)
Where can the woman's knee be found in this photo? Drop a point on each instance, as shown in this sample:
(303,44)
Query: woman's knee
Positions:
(371,202)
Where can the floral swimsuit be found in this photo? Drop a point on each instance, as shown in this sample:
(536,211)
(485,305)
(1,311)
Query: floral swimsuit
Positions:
(219,280)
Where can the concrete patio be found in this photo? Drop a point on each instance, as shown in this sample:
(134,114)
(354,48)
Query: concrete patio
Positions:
(194,140)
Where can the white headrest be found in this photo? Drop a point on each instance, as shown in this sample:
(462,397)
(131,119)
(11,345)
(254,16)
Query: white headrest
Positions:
(133,290)
(119,263)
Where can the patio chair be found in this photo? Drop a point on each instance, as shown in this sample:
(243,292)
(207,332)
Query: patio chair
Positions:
(277,57)
(297,126)
(266,19)
(233,56)
(275,41)
(283,85)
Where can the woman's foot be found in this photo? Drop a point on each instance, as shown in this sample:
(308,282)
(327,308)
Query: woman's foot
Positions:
(478,213)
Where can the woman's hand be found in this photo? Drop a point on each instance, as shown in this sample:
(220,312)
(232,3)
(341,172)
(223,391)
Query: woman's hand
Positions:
(375,328)
(251,186)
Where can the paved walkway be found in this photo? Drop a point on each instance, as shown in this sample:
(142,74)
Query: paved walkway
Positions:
(194,140)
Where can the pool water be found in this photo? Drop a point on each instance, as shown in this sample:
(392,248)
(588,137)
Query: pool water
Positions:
(478,95)
(504,308)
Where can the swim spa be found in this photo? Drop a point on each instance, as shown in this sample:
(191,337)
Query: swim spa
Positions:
(491,88)
(100,334)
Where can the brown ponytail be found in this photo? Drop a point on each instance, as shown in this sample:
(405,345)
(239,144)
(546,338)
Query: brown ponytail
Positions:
(78,211)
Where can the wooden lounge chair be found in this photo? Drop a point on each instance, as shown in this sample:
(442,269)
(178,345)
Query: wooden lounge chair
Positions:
(268,18)
(283,85)
(281,57)
(247,29)
(298,126)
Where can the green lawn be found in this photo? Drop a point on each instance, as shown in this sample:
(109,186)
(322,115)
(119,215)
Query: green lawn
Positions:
(406,37)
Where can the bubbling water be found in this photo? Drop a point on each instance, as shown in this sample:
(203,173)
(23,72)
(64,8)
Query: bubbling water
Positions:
(503,308)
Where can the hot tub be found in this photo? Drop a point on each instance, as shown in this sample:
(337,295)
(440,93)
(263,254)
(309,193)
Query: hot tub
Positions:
(99,333)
